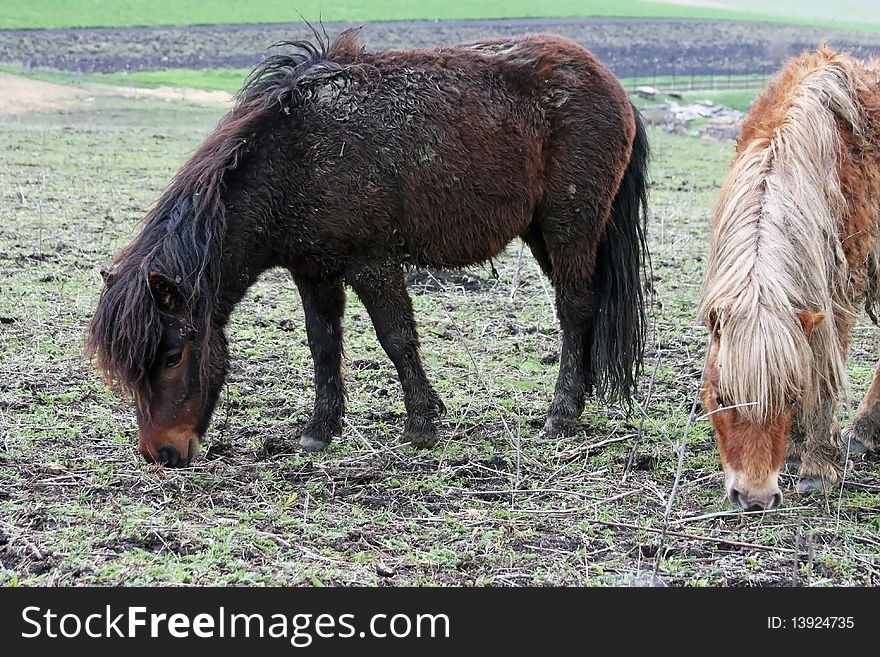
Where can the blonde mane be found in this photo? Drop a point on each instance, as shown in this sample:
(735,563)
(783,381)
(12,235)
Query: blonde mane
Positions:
(775,247)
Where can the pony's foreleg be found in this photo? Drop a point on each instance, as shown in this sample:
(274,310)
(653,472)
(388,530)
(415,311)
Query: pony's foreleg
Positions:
(794,446)
(324,305)
(821,464)
(383,293)
(863,434)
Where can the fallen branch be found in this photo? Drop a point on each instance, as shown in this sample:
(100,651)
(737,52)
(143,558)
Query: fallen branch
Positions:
(731,513)
(693,537)
(574,453)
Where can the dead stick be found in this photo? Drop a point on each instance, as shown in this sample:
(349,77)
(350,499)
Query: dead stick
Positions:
(733,514)
(694,537)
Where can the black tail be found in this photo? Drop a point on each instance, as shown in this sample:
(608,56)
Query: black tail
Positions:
(621,322)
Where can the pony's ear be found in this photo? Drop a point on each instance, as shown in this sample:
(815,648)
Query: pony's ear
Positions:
(810,321)
(108,276)
(712,320)
(165,293)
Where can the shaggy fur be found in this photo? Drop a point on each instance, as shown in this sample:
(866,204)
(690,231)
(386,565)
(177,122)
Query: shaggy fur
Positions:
(344,166)
(795,233)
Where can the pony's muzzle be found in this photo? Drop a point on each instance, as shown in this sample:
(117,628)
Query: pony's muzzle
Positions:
(172,449)
(766,501)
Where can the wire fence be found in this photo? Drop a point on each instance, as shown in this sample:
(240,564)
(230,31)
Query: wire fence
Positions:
(694,82)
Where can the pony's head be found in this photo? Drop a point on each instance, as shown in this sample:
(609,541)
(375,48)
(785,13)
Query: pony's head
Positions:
(152,336)
(756,376)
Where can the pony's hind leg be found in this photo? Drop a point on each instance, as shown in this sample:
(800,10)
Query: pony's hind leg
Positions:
(575,309)
(863,433)
(383,293)
(324,305)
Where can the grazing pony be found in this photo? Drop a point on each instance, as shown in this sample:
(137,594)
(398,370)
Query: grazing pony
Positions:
(345,167)
(793,254)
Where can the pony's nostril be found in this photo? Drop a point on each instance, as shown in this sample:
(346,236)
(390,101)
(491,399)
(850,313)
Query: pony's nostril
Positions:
(761,505)
(736,499)
(168,455)
(776,502)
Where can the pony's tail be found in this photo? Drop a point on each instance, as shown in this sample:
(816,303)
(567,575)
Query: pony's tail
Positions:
(621,324)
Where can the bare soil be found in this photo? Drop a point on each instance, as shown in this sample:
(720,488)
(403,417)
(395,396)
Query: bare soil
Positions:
(23,94)
(630,47)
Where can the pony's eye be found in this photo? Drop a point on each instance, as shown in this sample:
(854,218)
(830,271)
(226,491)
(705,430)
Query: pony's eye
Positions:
(719,400)
(792,403)
(173,359)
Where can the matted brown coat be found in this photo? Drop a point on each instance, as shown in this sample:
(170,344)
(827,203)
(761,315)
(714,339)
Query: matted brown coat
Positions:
(345,166)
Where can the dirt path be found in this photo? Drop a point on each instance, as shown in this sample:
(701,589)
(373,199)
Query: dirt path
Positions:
(23,94)
(26,95)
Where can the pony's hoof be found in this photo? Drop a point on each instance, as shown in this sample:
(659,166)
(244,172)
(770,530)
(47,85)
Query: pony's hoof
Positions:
(420,432)
(310,444)
(851,441)
(810,484)
(556,425)
(420,439)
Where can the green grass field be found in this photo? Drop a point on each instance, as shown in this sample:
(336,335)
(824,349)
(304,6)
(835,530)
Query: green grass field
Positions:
(230,80)
(495,503)
(851,14)
(209,79)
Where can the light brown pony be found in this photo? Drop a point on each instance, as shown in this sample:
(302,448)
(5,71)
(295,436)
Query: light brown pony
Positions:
(793,254)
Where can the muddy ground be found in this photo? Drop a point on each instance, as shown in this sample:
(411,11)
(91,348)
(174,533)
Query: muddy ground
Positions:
(630,47)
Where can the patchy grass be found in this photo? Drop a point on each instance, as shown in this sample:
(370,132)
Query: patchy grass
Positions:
(208,79)
(738,99)
(495,503)
(734,91)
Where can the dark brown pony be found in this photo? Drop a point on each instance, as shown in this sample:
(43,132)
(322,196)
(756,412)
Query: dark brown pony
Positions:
(344,167)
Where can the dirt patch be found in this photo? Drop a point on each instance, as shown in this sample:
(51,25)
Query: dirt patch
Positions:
(27,95)
(23,94)
(172,93)
(629,47)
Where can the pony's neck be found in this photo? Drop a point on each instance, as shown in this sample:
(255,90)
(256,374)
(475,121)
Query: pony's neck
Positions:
(245,255)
